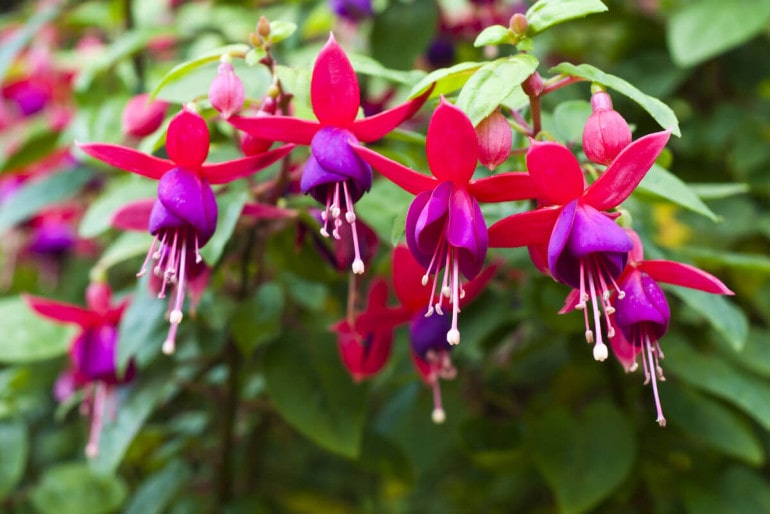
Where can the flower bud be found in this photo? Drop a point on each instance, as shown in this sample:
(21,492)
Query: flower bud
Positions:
(142,116)
(533,86)
(606,133)
(495,140)
(226,93)
(263,27)
(518,24)
(99,297)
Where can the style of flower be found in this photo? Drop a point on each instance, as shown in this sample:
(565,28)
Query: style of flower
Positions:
(586,249)
(642,314)
(445,229)
(333,175)
(93,353)
(184,216)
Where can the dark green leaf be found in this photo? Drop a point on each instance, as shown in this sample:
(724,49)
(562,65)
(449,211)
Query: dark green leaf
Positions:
(739,261)
(119,192)
(142,328)
(569,119)
(493,35)
(659,111)
(34,148)
(74,489)
(33,338)
(706,28)
(312,391)
(717,191)
(547,13)
(583,459)
(126,246)
(446,80)
(230,207)
(402,32)
(258,319)
(15,446)
(492,84)
(728,320)
(35,195)
(159,490)
(661,183)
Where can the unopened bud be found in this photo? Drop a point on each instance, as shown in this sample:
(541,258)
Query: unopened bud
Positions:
(226,93)
(606,133)
(263,27)
(518,24)
(495,140)
(533,86)
(98,297)
(143,116)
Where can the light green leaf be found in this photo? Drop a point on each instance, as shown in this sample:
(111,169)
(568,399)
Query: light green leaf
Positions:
(492,84)
(37,145)
(258,319)
(15,447)
(583,459)
(32,338)
(718,191)
(569,119)
(547,13)
(73,488)
(709,421)
(728,320)
(365,65)
(126,246)
(712,258)
(493,35)
(659,111)
(35,195)
(661,183)
(230,208)
(706,28)
(280,30)
(158,491)
(446,80)
(119,191)
(312,391)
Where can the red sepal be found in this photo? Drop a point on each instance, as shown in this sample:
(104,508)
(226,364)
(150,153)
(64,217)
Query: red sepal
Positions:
(452,146)
(128,159)
(334,90)
(684,275)
(504,187)
(405,178)
(523,229)
(277,128)
(224,172)
(555,172)
(375,127)
(63,312)
(134,215)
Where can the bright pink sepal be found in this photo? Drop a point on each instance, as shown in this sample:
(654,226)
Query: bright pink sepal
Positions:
(684,275)
(278,128)
(407,277)
(221,173)
(504,187)
(406,178)
(628,169)
(374,127)
(187,139)
(134,215)
(128,159)
(266,211)
(523,229)
(334,90)
(555,171)
(63,312)
(452,146)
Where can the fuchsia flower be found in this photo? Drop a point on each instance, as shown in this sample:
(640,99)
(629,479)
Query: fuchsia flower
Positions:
(333,175)
(606,133)
(93,352)
(495,140)
(642,314)
(184,216)
(586,249)
(445,229)
(227,93)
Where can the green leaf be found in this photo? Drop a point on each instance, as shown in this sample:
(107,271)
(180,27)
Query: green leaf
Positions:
(15,444)
(661,183)
(280,30)
(258,319)
(583,459)
(254,56)
(230,208)
(718,191)
(492,84)
(728,320)
(18,39)
(38,145)
(312,391)
(181,70)
(33,338)
(35,195)
(707,420)
(402,32)
(659,111)
(711,258)
(126,246)
(706,28)
(73,488)
(158,491)
(569,118)
(367,66)
(547,13)
(493,35)
(119,191)
(713,374)
(446,80)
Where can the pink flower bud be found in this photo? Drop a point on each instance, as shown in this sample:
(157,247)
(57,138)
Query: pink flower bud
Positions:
(142,116)
(495,140)
(533,86)
(226,93)
(606,133)
(518,24)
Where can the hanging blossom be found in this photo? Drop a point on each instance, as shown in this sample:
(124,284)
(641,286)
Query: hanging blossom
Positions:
(333,175)
(92,354)
(445,229)
(184,215)
(642,314)
(585,248)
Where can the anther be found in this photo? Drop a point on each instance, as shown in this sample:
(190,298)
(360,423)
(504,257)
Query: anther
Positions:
(453,336)
(600,352)
(175,317)
(358,267)
(438,415)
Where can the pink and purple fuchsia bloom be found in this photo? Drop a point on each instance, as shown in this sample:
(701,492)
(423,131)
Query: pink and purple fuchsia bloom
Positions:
(445,229)
(184,215)
(642,314)
(586,249)
(333,175)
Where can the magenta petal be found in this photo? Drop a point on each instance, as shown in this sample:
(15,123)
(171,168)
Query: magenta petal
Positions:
(684,275)
(332,161)
(187,139)
(62,312)
(334,90)
(133,216)
(277,128)
(429,333)
(467,232)
(188,198)
(452,147)
(556,172)
(375,127)
(413,215)
(266,211)
(643,304)
(523,229)
(94,353)
(405,178)
(628,169)
(559,238)
(406,281)
(224,172)
(504,187)
(623,350)
(128,159)
(431,224)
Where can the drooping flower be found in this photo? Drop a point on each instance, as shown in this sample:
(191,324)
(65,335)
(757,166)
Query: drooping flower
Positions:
(184,216)
(227,93)
(93,353)
(586,249)
(333,175)
(445,229)
(606,133)
(495,139)
(642,314)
